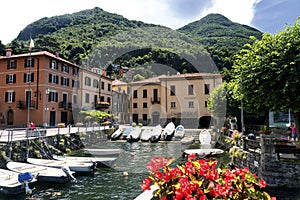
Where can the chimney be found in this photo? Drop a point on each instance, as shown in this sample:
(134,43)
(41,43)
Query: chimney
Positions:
(8,52)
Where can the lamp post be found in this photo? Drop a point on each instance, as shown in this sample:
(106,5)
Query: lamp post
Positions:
(47,92)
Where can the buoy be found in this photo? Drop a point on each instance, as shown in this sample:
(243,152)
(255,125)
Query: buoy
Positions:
(125,174)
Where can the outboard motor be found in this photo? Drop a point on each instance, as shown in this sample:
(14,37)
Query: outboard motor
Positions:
(25,178)
(68,173)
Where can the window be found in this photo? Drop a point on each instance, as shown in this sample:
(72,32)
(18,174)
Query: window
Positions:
(87,98)
(64,81)
(65,68)
(74,99)
(206,88)
(95,83)
(11,78)
(53,96)
(173,104)
(108,99)
(9,96)
(135,94)
(172,92)
(102,98)
(11,64)
(87,81)
(205,104)
(102,85)
(135,105)
(53,78)
(28,77)
(191,89)
(145,105)
(75,71)
(191,104)
(75,83)
(144,93)
(108,87)
(29,63)
(145,117)
(53,64)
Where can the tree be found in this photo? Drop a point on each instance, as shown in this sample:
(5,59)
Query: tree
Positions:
(267,73)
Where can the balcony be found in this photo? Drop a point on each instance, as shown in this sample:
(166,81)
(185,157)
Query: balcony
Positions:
(155,100)
(24,105)
(102,105)
(65,105)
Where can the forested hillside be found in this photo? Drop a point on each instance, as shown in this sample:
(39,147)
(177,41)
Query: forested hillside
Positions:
(101,39)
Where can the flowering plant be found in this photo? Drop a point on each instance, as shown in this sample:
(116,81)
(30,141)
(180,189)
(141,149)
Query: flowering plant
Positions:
(201,179)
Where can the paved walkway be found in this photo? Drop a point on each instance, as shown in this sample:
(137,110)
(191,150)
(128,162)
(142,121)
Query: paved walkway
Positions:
(18,134)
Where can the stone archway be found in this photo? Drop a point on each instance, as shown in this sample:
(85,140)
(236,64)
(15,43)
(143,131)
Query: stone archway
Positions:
(10,117)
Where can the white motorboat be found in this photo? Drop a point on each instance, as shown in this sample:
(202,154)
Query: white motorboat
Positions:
(156,134)
(117,134)
(168,131)
(126,132)
(12,183)
(146,135)
(73,166)
(205,137)
(187,140)
(204,152)
(102,152)
(99,161)
(179,132)
(134,135)
(42,173)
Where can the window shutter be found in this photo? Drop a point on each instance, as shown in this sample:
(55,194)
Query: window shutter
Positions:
(15,64)
(8,64)
(56,80)
(32,62)
(50,78)
(25,80)
(15,78)
(7,77)
(61,80)
(25,63)
(67,82)
(50,62)
(13,97)
(32,77)
(6,96)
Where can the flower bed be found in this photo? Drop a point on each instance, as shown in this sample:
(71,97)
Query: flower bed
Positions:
(202,179)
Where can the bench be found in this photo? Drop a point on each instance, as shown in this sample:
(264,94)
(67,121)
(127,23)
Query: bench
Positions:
(287,149)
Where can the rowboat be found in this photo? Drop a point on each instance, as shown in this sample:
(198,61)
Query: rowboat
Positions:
(44,174)
(99,161)
(73,166)
(168,131)
(134,135)
(102,152)
(12,183)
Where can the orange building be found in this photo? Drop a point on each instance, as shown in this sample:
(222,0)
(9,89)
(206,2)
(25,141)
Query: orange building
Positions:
(39,87)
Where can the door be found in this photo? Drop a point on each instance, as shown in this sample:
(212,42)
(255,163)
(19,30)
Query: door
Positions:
(155,118)
(52,118)
(64,99)
(10,117)
(64,117)
(155,95)
(135,118)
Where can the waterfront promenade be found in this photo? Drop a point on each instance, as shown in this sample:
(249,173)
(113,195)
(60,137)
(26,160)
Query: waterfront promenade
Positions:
(19,134)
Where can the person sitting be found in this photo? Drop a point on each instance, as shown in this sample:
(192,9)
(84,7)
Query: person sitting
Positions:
(31,125)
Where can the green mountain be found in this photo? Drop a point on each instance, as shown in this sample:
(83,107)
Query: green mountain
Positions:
(220,36)
(101,39)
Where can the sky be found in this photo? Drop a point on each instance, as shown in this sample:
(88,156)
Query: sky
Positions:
(266,15)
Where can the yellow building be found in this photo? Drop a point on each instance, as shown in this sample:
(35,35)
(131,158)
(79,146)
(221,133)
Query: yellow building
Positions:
(180,98)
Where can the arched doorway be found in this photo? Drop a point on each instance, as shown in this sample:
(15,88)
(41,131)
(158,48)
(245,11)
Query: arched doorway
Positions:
(155,118)
(204,122)
(10,117)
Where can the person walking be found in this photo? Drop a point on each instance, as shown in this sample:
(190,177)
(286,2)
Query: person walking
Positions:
(294,133)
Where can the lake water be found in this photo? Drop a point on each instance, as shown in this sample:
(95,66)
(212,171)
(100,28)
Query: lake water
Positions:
(109,183)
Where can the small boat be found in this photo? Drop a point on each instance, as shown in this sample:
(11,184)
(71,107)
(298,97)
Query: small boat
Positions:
(126,132)
(12,183)
(116,135)
(205,137)
(204,152)
(168,131)
(134,135)
(187,140)
(102,152)
(179,132)
(42,173)
(73,166)
(156,134)
(146,135)
(99,161)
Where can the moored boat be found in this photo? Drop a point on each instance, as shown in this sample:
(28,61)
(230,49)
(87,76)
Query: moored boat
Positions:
(73,166)
(168,131)
(126,132)
(102,152)
(204,152)
(179,132)
(187,140)
(99,161)
(146,135)
(134,135)
(42,173)
(156,134)
(117,134)
(12,183)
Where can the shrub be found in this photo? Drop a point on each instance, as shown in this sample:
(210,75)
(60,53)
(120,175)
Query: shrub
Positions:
(201,179)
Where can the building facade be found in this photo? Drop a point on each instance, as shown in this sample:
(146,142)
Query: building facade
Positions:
(180,98)
(39,87)
(120,102)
